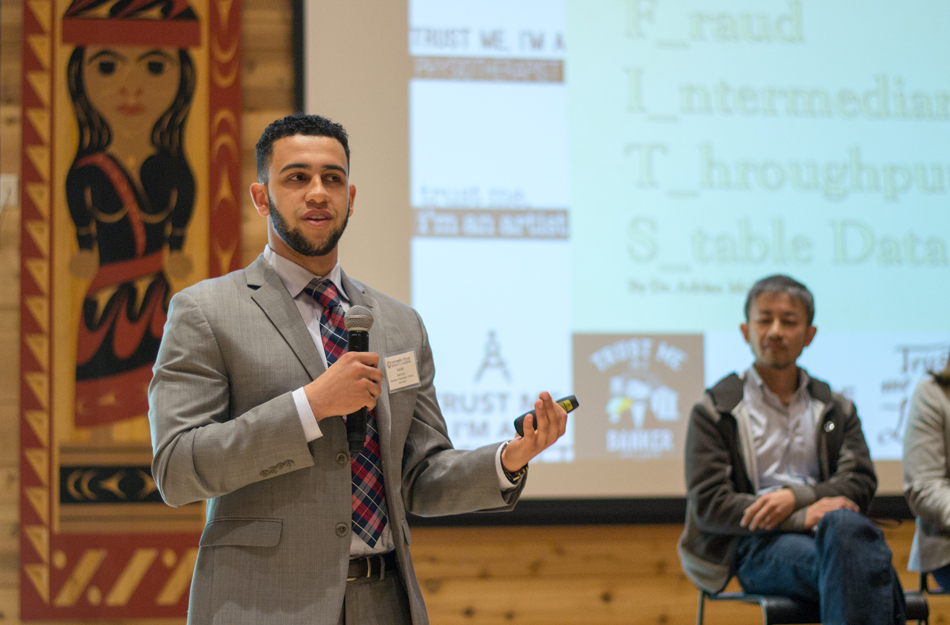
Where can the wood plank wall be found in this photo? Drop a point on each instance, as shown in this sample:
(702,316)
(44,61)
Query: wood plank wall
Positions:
(11,18)
(472,576)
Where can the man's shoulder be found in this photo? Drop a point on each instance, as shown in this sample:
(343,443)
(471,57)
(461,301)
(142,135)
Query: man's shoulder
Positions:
(216,287)
(718,400)
(932,390)
(377,294)
(725,395)
(821,390)
(386,303)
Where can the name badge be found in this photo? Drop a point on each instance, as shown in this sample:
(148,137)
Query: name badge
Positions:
(401,371)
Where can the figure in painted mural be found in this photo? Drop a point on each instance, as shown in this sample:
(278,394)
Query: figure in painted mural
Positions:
(130,192)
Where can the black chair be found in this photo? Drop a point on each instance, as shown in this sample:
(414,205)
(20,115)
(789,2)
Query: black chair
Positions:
(778,610)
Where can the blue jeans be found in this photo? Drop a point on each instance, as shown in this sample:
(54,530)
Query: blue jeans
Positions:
(845,568)
(942,576)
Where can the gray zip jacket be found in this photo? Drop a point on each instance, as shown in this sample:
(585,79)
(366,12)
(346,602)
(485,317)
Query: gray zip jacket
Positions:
(721,484)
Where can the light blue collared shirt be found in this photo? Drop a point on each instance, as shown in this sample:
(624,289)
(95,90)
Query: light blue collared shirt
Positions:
(295,279)
(784,436)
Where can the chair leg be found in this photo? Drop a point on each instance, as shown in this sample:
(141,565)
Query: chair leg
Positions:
(702,604)
(923,589)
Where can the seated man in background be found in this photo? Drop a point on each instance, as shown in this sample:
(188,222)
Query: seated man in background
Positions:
(927,474)
(779,477)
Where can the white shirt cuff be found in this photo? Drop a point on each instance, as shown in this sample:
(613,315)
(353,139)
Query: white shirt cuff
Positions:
(311,429)
(503,481)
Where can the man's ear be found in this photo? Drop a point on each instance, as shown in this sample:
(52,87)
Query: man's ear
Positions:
(744,328)
(352,199)
(810,335)
(259,197)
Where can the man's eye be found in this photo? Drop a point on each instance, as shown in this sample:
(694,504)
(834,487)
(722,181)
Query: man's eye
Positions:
(106,67)
(156,68)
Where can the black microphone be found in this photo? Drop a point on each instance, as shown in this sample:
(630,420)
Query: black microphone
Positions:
(358,320)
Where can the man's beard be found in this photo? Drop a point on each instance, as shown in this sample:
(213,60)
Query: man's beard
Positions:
(296,240)
(778,366)
(773,363)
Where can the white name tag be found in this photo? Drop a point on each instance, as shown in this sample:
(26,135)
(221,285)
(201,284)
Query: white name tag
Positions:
(401,371)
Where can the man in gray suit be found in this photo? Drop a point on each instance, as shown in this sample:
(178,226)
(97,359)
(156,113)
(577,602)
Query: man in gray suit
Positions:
(245,409)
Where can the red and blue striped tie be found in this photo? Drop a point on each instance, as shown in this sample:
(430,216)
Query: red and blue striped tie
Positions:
(369,498)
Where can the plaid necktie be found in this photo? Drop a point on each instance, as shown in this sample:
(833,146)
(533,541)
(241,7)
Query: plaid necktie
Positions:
(369,500)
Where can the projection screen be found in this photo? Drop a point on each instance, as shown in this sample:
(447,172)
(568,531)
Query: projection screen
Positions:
(577,195)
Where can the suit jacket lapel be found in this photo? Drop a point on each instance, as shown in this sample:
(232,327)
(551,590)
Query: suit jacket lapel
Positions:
(272,296)
(377,344)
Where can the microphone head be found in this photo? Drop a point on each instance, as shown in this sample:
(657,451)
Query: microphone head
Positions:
(358,318)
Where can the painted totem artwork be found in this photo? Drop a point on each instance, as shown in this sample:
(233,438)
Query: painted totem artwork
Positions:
(131,170)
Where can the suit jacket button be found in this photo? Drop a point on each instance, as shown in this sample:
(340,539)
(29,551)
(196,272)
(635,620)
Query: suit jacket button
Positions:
(342,529)
(341,458)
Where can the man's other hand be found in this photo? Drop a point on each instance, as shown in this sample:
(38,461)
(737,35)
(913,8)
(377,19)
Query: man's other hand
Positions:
(769,510)
(825,505)
(350,383)
(552,423)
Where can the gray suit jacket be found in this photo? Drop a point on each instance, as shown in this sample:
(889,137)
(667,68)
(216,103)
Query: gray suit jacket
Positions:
(224,428)
(927,474)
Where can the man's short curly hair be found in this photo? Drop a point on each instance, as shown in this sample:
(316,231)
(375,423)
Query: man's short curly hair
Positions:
(296,124)
(782,284)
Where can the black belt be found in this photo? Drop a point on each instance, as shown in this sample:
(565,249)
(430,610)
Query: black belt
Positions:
(371,566)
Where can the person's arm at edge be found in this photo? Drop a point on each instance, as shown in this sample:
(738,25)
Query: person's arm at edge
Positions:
(926,484)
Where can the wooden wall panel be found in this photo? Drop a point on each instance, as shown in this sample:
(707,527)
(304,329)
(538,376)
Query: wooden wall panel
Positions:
(581,575)
(471,576)
(268,92)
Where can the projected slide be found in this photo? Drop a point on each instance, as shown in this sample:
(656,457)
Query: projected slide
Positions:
(595,186)
(489,188)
